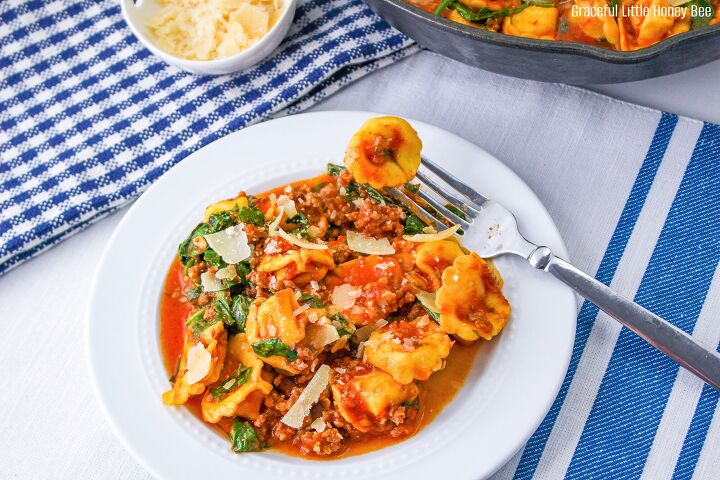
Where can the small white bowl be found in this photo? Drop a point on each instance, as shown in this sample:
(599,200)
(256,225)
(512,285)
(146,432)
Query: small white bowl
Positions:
(137,12)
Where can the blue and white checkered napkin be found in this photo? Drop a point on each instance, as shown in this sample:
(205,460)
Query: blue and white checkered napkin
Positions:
(89,118)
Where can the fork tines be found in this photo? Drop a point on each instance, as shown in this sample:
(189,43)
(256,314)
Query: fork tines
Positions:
(443,202)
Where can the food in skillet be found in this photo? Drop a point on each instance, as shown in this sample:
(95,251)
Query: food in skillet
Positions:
(614,24)
(323,318)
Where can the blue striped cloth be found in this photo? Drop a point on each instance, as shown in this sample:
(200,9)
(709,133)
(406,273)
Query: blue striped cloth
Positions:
(89,118)
(634,395)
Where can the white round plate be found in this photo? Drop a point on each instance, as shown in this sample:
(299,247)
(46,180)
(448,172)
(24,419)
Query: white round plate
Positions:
(507,394)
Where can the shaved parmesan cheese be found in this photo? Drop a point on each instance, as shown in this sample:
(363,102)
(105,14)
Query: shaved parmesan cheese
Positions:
(211,29)
(226,273)
(371,246)
(295,240)
(300,309)
(301,408)
(198,364)
(360,350)
(361,334)
(344,296)
(318,425)
(288,205)
(272,228)
(431,237)
(319,335)
(231,244)
(210,283)
(428,300)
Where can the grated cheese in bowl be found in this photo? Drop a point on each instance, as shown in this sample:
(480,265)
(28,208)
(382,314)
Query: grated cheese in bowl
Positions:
(211,29)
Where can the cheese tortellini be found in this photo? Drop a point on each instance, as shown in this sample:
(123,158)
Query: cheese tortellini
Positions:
(385,152)
(275,318)
(301,266)
(408,350)
(470,300)
(241,392)
(432,258)
(599,26)
(213,340)
(532,22)
(225,205)
(365,396)
(646,24)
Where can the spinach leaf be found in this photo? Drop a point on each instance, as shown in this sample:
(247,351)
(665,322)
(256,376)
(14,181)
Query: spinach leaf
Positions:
(212,258)
(243,437)
(318,187)
(220,221)
(705,13)
(312,300)
(186,250)
(484,14)
(239,378)
(243,270)
(193,293)
(414,225)
(342,326)
(274,346)
(334,170)
(352,191)
(456,211)
(377,196)
(197,323)
(433,314)
(301,220)
(443,5)
(564,26)
(413,187)
(240,309)
(374,195)
(414,403)
(222,310)
(252,215)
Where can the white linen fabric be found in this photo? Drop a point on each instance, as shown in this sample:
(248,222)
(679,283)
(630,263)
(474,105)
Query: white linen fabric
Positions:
(634,193)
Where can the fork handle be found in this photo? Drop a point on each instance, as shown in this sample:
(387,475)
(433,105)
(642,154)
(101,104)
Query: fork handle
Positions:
(664,336)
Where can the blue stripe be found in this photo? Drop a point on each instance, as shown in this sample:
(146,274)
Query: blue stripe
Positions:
(697,432)
(606,271)
(637,383)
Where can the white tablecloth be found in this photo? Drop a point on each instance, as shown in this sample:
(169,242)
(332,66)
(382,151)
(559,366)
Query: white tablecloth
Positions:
(53,427)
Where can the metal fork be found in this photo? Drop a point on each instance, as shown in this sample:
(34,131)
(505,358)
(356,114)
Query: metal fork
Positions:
(491,230)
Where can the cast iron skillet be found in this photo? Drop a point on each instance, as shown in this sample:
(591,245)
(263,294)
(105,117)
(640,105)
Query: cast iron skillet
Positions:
(549,61)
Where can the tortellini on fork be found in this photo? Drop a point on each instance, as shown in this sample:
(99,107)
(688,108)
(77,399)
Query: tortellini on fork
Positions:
(385,152)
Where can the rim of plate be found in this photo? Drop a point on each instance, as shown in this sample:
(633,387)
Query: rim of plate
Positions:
(121,329)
